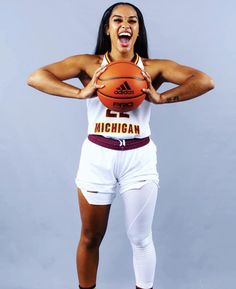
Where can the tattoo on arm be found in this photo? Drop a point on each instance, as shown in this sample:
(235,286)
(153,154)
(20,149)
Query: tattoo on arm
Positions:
(172,99)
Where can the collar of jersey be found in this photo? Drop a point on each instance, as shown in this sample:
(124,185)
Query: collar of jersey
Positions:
(135,60)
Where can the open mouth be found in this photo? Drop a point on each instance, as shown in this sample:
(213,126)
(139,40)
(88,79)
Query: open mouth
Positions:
(124,38)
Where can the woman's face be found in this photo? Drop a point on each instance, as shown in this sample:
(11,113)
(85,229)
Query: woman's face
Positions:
(123,28)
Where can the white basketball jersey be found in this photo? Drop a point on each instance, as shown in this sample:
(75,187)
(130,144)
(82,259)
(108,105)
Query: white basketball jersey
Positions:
(132,124)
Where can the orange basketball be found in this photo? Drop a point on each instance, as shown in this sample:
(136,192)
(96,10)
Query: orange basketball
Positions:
(123,86)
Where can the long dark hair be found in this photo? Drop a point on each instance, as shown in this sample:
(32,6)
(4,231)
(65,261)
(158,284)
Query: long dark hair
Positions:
(103,40)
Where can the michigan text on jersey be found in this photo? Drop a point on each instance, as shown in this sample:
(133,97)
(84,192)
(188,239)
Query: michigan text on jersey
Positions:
(117,127)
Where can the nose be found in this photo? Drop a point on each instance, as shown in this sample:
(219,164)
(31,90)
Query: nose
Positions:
(125,25)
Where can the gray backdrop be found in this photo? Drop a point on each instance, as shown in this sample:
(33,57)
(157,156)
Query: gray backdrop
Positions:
(41,136)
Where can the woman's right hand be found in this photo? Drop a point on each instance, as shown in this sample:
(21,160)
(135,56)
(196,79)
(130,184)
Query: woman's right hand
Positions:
(90,89)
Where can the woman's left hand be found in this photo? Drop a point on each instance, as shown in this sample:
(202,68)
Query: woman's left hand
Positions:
(152,95)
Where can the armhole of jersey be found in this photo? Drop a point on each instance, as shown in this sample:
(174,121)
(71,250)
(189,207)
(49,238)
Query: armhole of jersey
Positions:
(107,57)
(136,59)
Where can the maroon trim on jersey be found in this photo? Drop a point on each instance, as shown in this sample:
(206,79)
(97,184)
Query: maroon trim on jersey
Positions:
(93,287)
(134,60)
(118,144)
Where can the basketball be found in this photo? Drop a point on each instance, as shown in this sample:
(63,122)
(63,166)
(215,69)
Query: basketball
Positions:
(123,82)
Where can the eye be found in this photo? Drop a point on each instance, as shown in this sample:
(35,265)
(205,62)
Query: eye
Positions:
(133,21)
(117,20)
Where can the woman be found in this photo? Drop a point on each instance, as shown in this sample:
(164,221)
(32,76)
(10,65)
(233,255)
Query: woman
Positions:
(124,162)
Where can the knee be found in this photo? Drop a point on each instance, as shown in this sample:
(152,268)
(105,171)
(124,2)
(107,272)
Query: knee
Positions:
(140,241)
(91,239)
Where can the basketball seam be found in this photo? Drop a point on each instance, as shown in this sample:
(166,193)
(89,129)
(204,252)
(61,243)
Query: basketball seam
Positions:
(120,77)
(121,98)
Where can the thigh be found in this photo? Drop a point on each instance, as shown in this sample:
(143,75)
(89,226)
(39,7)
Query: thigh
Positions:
(139,207)
(94,217)
(96,168)
(137,167)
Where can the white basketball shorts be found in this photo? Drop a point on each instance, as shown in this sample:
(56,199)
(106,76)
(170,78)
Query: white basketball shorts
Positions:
(103,172)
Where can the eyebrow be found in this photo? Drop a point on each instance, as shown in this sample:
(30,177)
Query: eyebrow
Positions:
(122,16)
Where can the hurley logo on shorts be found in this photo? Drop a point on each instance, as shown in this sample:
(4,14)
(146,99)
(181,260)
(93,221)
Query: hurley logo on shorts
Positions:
(124,89)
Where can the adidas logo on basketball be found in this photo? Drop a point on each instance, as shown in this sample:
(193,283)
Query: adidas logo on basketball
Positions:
(124,89)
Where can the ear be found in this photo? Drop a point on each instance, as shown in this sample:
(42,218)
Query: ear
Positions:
(106,27)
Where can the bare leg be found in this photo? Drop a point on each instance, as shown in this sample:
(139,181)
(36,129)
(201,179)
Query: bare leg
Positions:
(94,223)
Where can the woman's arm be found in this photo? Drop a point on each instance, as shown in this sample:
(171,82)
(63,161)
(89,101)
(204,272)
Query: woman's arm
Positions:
(190,82)
(49,78)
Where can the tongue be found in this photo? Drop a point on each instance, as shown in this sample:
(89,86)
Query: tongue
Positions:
(124,40)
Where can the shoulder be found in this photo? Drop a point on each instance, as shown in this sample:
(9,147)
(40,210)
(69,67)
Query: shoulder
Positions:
(72,66)
(155,67)
(170,71)
(84,60)
(157,63)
